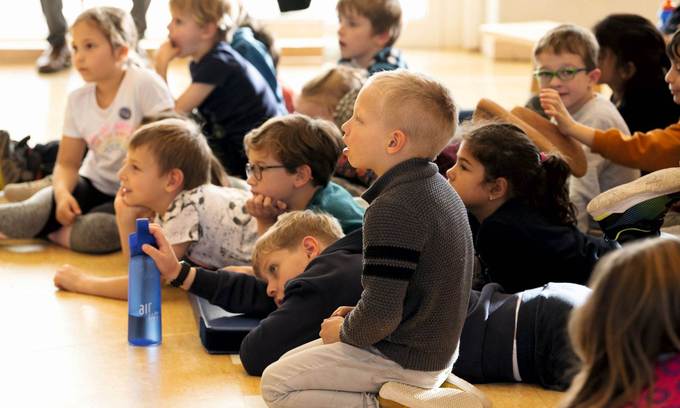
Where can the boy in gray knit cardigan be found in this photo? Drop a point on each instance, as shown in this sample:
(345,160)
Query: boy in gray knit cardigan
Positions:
(418,258)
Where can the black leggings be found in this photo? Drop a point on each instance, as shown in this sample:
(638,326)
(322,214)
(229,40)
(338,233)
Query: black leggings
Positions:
(90,200)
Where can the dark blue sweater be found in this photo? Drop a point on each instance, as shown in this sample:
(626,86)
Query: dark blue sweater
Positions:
(331,280)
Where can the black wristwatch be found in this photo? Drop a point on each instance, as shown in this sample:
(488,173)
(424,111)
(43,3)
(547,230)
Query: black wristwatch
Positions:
(183,273)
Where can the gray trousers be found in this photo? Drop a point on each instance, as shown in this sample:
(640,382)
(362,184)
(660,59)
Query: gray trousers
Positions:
(337,375)
(56,23)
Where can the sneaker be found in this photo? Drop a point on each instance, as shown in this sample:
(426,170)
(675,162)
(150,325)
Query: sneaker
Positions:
(9,171)
(22,191)
(458,393)
(18,161)
(637,209)
(54,59)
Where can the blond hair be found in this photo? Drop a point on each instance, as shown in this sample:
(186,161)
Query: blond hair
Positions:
(384,15)
(205,12)
(177,144)
(298,140)
(331,86)
(630,319)
(115,24)
(572,39)
(419,106)
(289,230)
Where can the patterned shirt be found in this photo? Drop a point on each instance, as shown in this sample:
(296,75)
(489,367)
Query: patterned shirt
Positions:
(215,222)
(387,59)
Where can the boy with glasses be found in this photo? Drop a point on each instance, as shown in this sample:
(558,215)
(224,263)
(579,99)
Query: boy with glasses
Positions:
(290,162)
(566,59)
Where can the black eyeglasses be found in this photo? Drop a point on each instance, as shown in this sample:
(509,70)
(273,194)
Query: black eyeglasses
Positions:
(256,170)
(564,74)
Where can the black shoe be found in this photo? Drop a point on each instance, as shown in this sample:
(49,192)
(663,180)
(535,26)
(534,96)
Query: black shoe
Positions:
(54,59)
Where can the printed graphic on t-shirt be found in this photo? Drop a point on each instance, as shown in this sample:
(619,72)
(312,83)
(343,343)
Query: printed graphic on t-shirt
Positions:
(110,138)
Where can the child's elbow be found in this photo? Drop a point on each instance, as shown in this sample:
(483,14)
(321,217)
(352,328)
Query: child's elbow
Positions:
(254,357)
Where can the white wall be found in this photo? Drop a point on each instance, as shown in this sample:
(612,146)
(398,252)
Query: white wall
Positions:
(455,23)
(581,12)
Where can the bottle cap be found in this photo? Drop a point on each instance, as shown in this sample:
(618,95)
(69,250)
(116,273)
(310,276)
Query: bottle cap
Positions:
(141,237)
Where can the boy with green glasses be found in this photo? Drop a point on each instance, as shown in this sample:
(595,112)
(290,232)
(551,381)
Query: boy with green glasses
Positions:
(566,58)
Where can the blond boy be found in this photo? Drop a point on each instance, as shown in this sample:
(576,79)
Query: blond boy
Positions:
(227,92)
(302,276)
(566,59)
(417,264)
(367,33)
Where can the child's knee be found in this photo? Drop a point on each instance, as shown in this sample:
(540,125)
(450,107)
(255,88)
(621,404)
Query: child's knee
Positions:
(271,385)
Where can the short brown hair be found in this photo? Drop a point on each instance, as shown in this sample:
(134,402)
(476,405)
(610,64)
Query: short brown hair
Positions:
(630,319)
(384,15)
(298,140)
(177,144)
(418,105)
(289,230)
(572,39)
(331,86)
(208,11)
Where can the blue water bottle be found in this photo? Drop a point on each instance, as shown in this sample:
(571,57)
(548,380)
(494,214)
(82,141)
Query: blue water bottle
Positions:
(144,290)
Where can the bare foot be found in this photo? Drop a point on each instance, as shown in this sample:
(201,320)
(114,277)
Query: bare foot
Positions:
(61,236)
(69,278)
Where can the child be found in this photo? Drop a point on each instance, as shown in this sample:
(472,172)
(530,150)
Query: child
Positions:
(654,150)
(565,59)
(256,44)
(633,63)
(521,217)
(627,335)
(100,116)
(230,95)
(416,278)
(166,173)
(367,33)
(331,96)
(290,162)
(303,275)
(520,337)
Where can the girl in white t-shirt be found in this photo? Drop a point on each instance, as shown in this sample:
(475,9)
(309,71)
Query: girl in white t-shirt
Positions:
(100,116)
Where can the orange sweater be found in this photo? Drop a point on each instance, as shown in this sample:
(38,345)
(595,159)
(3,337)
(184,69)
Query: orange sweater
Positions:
(655,150)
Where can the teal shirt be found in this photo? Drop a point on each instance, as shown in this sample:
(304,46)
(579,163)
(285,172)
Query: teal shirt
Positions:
(336,201)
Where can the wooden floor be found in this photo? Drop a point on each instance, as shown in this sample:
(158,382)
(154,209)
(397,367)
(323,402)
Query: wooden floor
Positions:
(63,349)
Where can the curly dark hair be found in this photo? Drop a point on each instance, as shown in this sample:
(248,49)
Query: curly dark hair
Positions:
(541,183)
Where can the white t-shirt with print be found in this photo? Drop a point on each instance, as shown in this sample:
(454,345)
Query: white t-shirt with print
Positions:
(107,131)
(215,221)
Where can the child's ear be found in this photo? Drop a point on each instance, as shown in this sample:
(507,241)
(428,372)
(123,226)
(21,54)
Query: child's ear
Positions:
(311,246)
(209,30)
(499,189)
(396,142)
(303,175)
(175,181)
(627,70)
(121,53)
(594,75)
(382,38)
